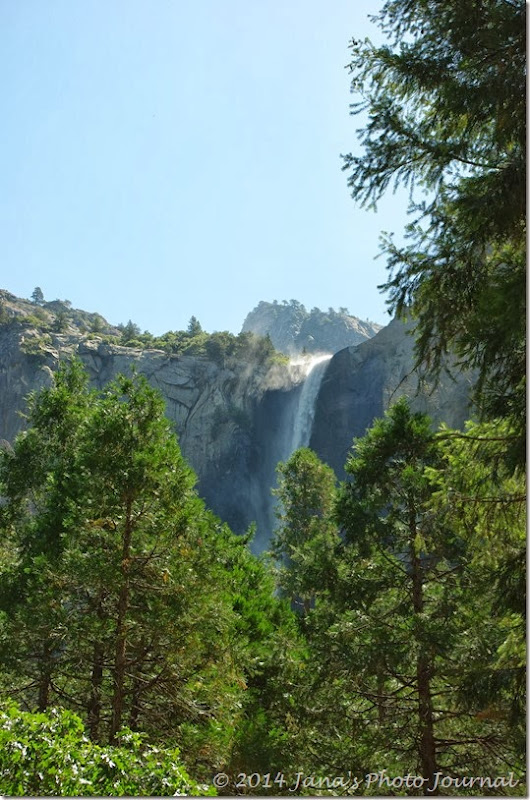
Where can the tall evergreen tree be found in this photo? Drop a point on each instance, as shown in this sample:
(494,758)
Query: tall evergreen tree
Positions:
(447,113)
(483,501)
(109,586)
(306,536)
(37,296)
(406,612)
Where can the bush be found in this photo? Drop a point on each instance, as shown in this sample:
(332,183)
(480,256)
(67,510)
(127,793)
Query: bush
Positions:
(35,345)
(48,753)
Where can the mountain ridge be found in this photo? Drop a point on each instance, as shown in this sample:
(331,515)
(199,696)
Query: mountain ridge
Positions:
(293,330)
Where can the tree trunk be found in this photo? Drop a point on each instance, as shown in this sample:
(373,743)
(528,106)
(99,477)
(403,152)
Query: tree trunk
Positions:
(45,682)
(427,744)
(96,681)
(120,655)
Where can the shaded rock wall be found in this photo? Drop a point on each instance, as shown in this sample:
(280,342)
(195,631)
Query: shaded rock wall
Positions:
(361,382)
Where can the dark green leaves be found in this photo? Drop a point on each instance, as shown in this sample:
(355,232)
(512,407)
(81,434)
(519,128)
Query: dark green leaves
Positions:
(447,115)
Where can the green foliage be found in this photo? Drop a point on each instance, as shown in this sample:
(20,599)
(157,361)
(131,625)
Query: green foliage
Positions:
(34,345)
(271,648)
(37,320)
(121,597)
(222,347)
(40,318)
(483,499)
(99,507)
(97,323)
(129,332)
(37,296)
(194,327)
(306,537)
(406,640)
(60,323)
(49,754)
(447,113)
(131,336)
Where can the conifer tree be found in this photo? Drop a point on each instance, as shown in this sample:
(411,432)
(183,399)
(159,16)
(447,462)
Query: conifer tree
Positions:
(37,296)
(483,501)
(306,536)
(445,98)
(407,610)
(108,586)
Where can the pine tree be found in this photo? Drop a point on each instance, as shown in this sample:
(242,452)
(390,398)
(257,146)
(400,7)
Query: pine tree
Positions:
(447,113)
(194,327)
(483,501)
(108,585)
(305,538)
(406,612)
(129,332)
(37,296)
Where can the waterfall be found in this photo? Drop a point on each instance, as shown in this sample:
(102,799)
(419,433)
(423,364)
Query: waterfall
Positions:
(283,423)
(314,368)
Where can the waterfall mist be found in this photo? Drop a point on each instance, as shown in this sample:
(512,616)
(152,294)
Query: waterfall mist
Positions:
(315,367)
(284,422)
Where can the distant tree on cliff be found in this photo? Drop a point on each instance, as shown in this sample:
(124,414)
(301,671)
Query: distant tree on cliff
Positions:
(97,323)
(37,296)
(445,100)
(129,332)
(60,323)
(194,327)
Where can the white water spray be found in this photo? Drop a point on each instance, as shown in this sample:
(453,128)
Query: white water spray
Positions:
(314,368)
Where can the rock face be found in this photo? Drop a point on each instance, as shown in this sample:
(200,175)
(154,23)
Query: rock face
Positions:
(293,329)
(235,422)
(362,382)
(230,421)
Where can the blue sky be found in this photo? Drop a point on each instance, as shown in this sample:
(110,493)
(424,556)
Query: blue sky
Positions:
(166,158)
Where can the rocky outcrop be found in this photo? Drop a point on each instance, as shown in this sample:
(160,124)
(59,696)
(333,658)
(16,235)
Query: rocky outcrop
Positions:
(294,330)
(362,382)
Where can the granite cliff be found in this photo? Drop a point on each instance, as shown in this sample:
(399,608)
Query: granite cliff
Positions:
(294,330)
(226,417)
(361,382)
(235,416)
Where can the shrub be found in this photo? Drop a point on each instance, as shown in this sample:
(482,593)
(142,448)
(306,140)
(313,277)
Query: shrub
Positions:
(34,345)
(48,753)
